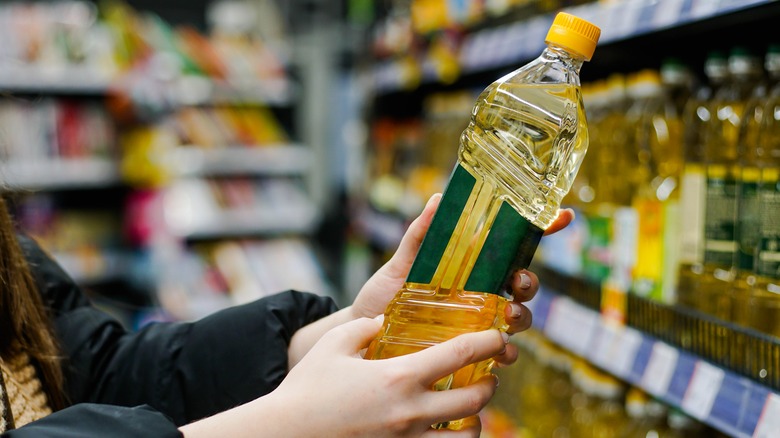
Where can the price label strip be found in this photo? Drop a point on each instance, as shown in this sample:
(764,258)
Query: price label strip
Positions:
(702,390)
(571,325)
(769,423)
(660,369)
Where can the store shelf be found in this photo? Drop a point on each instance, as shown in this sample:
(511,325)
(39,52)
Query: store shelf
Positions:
(45,80)
(95,268)
(295,217)
(60,173)
(511,45)
(282,159)
(713,394)
(383,230)
(197,90)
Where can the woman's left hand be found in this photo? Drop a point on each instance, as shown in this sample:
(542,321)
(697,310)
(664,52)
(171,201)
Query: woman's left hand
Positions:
(383,285)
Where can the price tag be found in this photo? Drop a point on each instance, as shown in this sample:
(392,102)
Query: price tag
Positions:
(704,8)
(616,349)
(571,325)
(702,390)
(624,357)
(668,12)
(660,369)
(769,423)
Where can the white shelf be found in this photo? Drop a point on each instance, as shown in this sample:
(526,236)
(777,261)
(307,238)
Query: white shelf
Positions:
(718,397)
(90,269)
(241,160)
(60,173)
(198,90)
(43,80)
(516,43)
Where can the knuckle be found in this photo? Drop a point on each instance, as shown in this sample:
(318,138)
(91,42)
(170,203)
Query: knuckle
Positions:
(463,350)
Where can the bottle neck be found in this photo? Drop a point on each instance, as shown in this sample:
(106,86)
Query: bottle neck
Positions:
(557,53)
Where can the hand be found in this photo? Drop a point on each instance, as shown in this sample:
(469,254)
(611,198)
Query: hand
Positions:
(337,393)
(383,285)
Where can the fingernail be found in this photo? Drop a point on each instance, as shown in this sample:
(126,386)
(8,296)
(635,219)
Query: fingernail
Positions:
(380,318)
(515,310)
(497,380)
(505,337)
(525,281)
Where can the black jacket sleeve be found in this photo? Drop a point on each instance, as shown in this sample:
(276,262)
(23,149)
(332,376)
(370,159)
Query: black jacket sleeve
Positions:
(99,421)
(184,370)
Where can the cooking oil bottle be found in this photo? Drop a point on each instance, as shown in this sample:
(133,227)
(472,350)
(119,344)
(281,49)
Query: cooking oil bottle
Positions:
(696,117)
(764,303)
(752,177)
(517,159)
(722,173)
(610,186)
(658,143)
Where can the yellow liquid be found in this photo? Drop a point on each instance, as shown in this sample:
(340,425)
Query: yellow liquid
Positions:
(523,148)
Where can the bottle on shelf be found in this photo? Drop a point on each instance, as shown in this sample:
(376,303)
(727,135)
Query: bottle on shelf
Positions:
(697,114)
(609,163)
(752,175)
(721,153)
(518,158)
(763,307)
(658,143)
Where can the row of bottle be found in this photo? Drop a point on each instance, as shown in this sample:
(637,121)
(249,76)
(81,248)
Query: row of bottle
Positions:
(679,193)
(551,393)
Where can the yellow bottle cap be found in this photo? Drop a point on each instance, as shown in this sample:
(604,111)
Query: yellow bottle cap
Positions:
(574,34)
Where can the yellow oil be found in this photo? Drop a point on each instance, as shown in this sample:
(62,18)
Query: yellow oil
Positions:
(721,151)
(523,148)
(658,143)
(763,307)
(697,115)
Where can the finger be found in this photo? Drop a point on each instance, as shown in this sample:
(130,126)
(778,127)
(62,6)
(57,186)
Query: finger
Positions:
(525,284)
(458,403)
(564,218)
(352,336)
(472,428)
(520,318)
(508,357)
(412,239)
(446,358)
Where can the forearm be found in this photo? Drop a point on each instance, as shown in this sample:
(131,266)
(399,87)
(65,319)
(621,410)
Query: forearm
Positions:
(307,336)
(259,418)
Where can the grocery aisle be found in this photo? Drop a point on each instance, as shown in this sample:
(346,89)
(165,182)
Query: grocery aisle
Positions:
(658,312)
(180,157)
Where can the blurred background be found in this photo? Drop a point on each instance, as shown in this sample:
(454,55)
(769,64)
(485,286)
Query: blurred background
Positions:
(180,156)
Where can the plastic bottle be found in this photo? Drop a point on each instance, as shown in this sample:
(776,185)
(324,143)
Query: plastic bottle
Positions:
(764,303)
(608,166)
(517,159)
(658,143)
(721,152)
(697,114)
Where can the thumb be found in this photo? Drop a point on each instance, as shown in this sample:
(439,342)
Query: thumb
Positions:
(353,336)
(402,260)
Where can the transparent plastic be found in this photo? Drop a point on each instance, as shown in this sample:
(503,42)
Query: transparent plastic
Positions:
(519,155)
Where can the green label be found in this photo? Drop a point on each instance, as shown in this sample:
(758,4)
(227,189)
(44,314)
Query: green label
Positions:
(443,225)
(768,252)
(719,239)
(595,263)
(510,243)
(748,225)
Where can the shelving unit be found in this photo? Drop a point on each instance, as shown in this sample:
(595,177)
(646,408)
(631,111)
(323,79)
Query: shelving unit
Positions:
(624,24)
(271,159)
(719,373)
(61,173)
(716,391)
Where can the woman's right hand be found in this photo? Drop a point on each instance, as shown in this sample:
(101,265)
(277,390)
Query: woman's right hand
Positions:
(334,392)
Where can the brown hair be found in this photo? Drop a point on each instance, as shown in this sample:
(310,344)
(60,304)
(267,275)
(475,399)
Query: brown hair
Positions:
(24,322)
